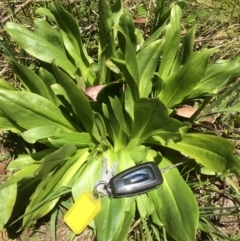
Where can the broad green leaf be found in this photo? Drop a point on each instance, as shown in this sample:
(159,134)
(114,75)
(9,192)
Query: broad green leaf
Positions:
(117,11)
(79,102)
(118,62)
(39,47)
(26,187)
(185,51)
(28,159)
(148,59)
(115,213)
(100,125)
(53,160)
(150,115)
(213,152)
(145,205)
(113,67)
(112,127)
(44,29)
(106,41)
(29,110)
(141,11)
(59,91)
(127,44)
(115,216)
(114,130)
(101,128)
(82,139)
(88,178)
(46,12)
(125,160)
(6,85)
(52,185)
(188,45)
(119,114)
(8,197)
(216,76)
(7,124)
(180,84)
(110,219)
(40,133)
(111,109)
(179,209)
(154,36)
(174,130)
(127,28)
(47,77)
(157,206)
(72,40)
(69,30)
(139,38)
(128,219)
(49,80)
(25,172)
(162,13)
(131,83)
(171,42)
(31,81)
(129,106)
(138,153)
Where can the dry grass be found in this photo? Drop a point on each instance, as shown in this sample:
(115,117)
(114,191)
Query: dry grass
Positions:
(217,25)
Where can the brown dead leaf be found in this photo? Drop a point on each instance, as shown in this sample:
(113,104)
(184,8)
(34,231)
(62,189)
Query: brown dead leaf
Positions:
(141,20)
(92,92)
(211,118)
(3,235)
(3,167)
(186,111)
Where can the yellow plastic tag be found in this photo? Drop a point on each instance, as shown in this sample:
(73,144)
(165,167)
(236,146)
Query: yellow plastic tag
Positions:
(82,212)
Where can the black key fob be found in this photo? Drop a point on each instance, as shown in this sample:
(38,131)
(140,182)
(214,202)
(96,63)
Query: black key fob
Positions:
(136,180)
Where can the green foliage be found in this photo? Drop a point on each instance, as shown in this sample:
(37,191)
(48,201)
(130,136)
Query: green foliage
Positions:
(173,212)
(132,119)
(8,199)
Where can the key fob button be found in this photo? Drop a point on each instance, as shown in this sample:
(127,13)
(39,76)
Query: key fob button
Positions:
(137,177)
(136,180)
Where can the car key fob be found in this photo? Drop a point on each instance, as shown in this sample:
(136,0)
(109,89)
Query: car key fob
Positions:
(136,180)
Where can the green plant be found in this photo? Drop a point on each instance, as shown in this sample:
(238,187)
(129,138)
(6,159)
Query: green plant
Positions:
(132,119)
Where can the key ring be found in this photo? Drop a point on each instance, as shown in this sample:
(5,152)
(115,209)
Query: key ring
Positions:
(96,194)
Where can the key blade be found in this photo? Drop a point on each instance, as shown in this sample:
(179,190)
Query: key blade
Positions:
(114,167)
(172,166)
(106,173)
(102,185)
(104,166)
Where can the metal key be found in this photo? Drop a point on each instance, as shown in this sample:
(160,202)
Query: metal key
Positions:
(102,185)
